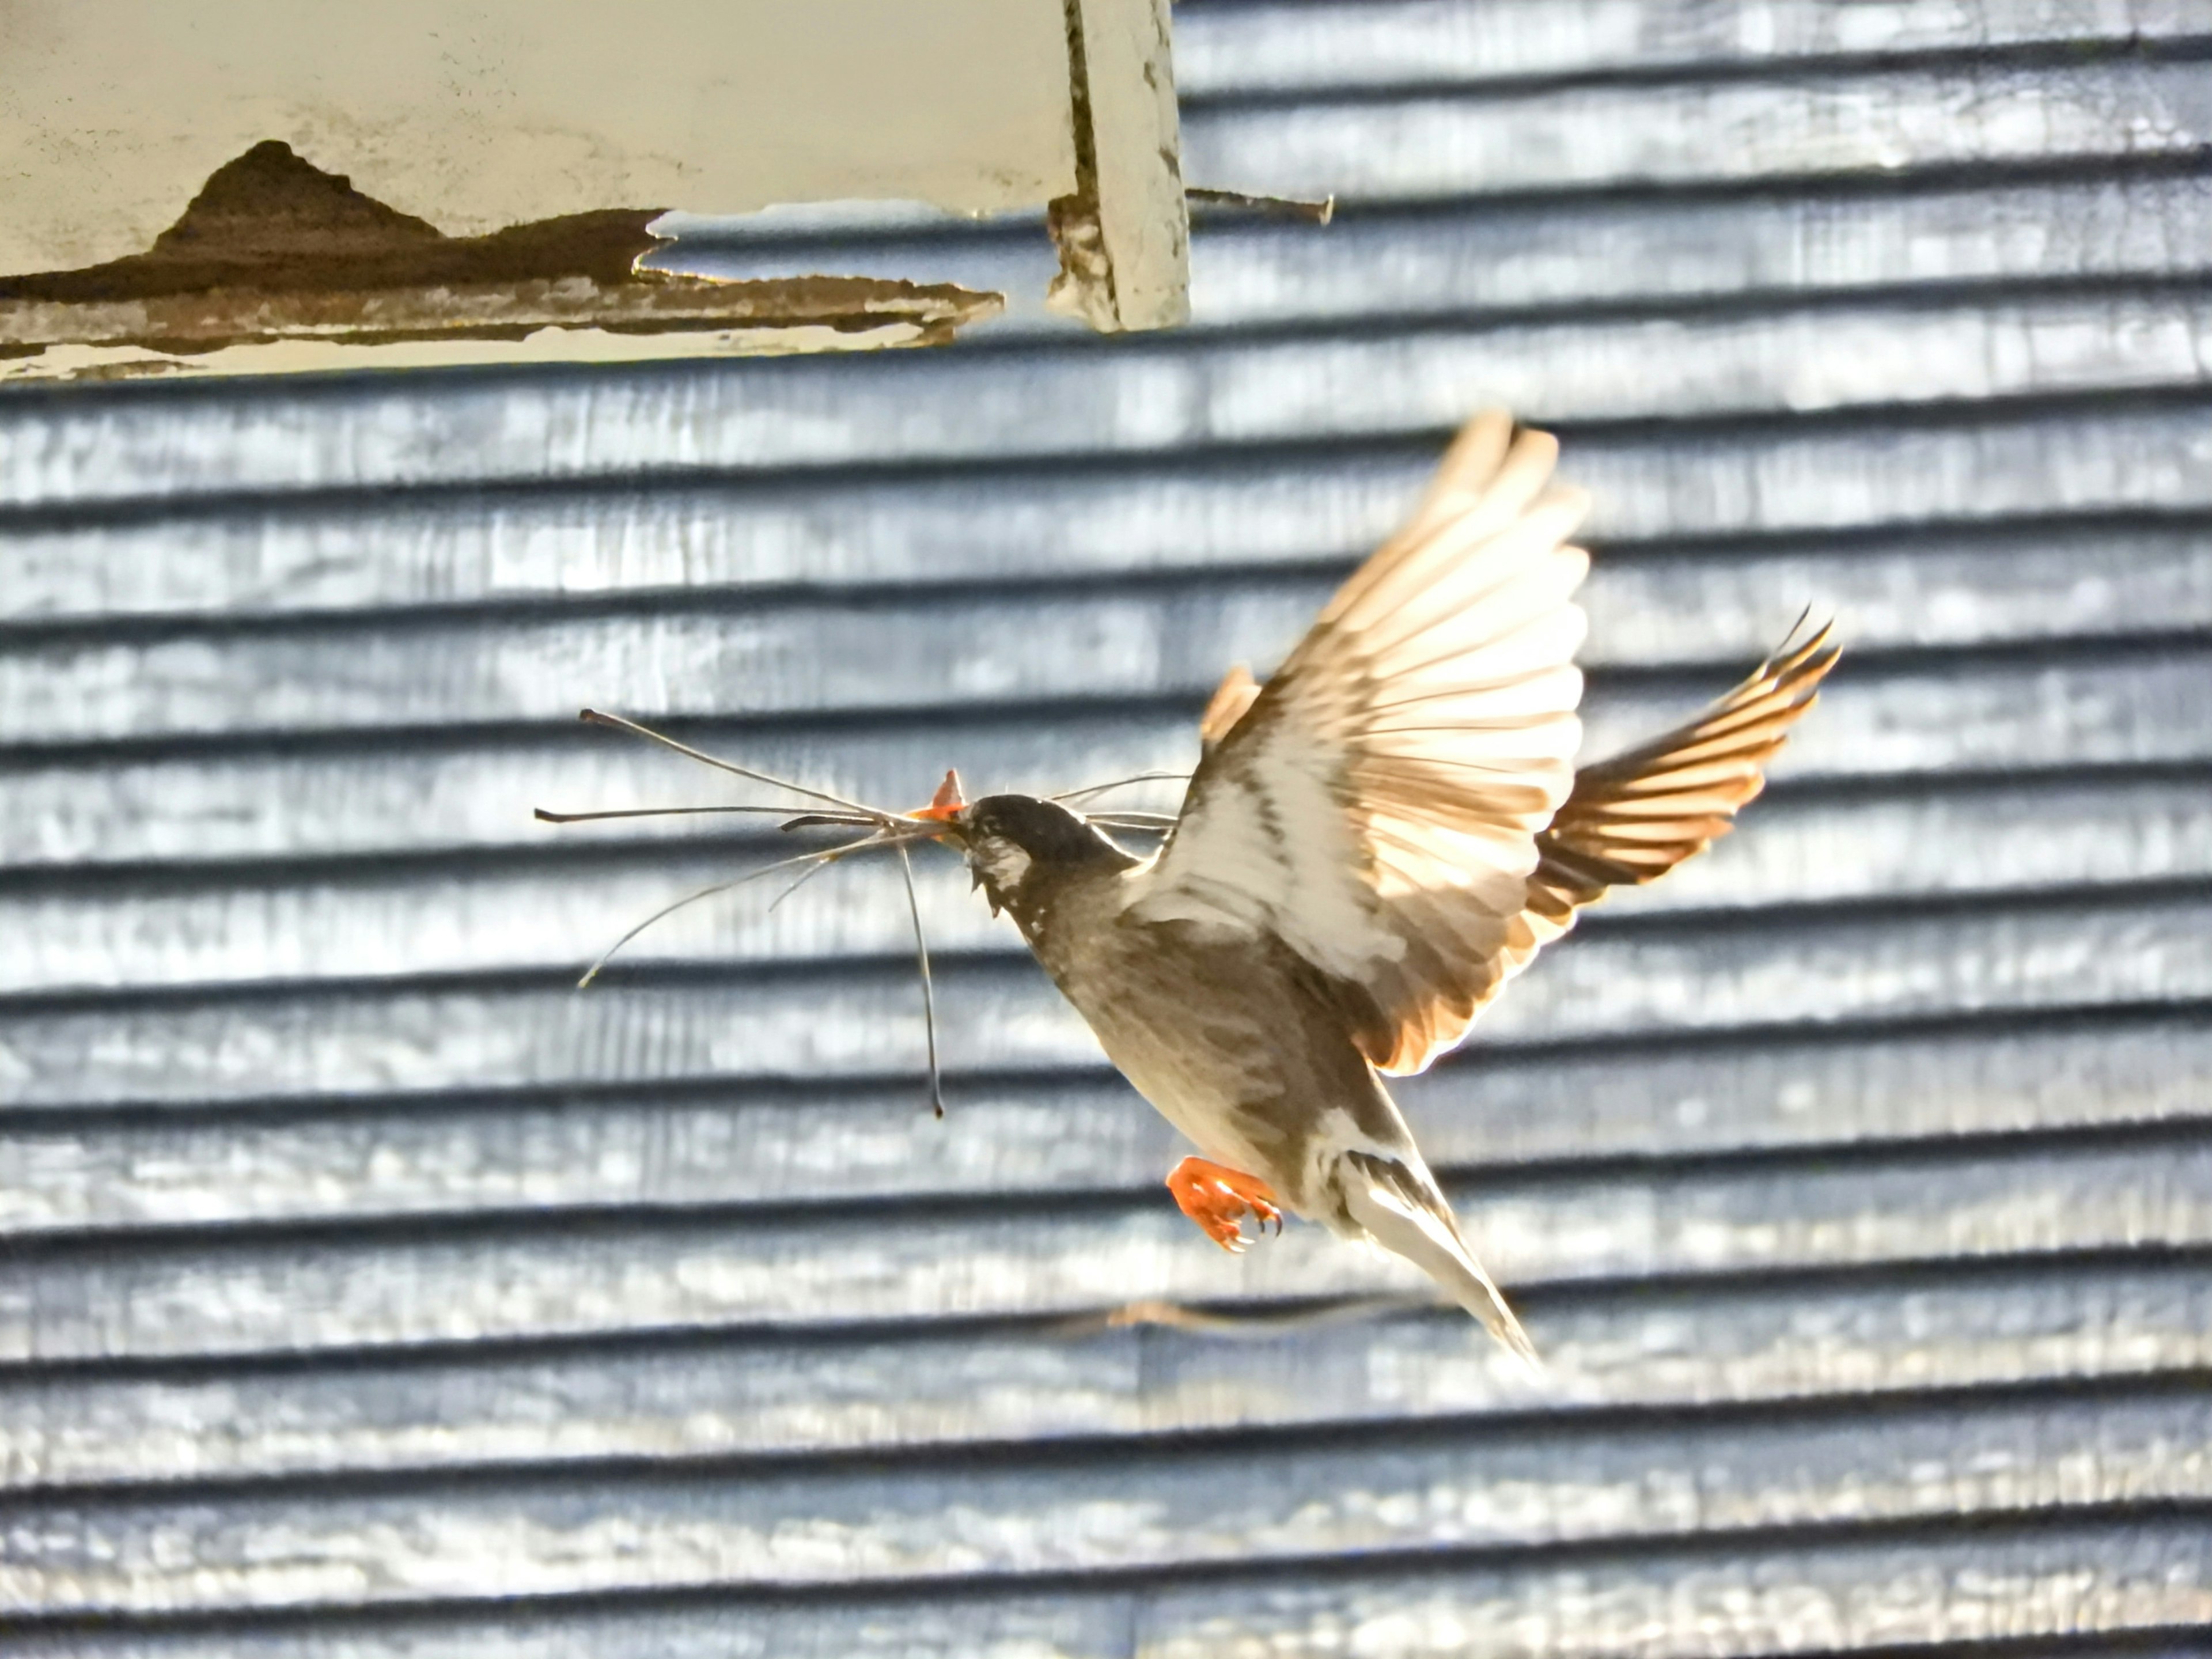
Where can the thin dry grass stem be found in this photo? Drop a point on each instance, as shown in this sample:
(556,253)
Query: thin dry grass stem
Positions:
(800,880)
(596,717)
(895,830)
(826,856)
(1153,823)
(928,985)
(545,815)
(1122,783)
(1258,1325)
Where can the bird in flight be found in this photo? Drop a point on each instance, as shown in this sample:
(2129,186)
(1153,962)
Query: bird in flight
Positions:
(1373,843)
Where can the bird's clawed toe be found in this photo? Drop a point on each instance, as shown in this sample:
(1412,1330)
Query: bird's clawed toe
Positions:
(1218,1199)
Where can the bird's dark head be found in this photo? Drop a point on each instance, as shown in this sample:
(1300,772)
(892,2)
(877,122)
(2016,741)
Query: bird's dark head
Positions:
(1020,848)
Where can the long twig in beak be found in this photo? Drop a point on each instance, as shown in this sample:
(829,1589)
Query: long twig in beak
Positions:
(829,854)
(1258,1327)
(596,717)
(928,987)
(894,831)
(545,816)
(1153,823)
(800,880)
(1123,783)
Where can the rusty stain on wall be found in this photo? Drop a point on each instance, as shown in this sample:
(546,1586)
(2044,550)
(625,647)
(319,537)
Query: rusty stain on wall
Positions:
(275,250)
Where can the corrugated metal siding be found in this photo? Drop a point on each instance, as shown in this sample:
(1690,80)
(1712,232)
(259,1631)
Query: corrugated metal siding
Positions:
(367,1291)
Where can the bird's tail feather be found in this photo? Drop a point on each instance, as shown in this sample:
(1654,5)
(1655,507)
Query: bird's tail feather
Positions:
(1402,1212)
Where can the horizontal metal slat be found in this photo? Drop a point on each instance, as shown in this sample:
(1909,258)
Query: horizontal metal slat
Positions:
(1638,1346)
(1097,399)
(843,1143)
(806,658)
(1171,516)
(333,798)
(2100,1587)
(876,653)
(566,1276)
(2060,1584)
(2126,1580)
(1696,130)
(1650,252)
(401,920)
(998,1013)
(1228,49)
(1167,1510)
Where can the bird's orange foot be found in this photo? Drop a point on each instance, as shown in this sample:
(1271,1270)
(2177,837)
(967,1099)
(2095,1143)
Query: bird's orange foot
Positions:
(1218,1199)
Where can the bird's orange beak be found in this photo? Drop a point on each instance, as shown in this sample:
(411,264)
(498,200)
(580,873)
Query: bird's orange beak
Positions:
(946,805)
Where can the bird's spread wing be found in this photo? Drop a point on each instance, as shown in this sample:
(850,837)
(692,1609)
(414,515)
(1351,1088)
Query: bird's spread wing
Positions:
(1636,815)
(1377,804)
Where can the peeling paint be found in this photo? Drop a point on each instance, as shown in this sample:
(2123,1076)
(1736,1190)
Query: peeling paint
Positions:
(277,266)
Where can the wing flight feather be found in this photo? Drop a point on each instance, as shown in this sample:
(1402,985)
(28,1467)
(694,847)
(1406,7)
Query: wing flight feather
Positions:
(1635,817)
(1377,804)
(1399,803)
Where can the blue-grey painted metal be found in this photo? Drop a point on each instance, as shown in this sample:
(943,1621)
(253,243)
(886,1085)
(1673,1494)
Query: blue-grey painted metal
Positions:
(366,1292)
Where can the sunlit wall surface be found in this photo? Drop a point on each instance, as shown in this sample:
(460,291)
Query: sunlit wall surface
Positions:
(366,1290)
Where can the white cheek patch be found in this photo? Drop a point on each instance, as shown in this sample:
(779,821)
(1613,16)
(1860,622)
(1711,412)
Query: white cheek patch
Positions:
(1004,864)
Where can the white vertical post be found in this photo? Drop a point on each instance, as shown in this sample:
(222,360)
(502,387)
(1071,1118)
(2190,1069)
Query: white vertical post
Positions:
(1127,85)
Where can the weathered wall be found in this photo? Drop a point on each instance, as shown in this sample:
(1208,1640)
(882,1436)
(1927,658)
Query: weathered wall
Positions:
(368,1293)
(476,114)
